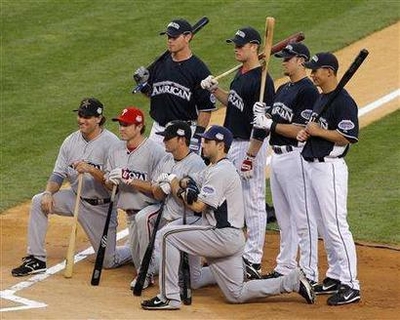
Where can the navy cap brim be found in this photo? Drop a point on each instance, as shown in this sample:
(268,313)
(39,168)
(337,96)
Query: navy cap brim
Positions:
(237,41)
(284,54)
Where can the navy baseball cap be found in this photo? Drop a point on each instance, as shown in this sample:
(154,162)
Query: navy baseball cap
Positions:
(90,107)
(176,128)
(218,133)
(245,35)
(176,27)
(294,49)
(323,60)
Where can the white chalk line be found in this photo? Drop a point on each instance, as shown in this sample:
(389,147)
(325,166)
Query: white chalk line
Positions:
(9,294)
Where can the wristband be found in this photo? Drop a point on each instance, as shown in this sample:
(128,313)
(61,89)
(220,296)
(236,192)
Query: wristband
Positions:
(199,130)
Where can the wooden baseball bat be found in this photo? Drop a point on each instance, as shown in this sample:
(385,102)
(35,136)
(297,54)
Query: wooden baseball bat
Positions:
(269,34)
(343,81)
(98,266)
(296,37)
(69,260)
(187,290)
(144,267)
(195,28)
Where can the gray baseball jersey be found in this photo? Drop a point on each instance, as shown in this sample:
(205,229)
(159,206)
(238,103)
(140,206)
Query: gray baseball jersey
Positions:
(95,152)
(139,164)
(190,164)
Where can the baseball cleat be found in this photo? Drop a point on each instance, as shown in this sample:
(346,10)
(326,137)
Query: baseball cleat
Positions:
(345,295)
(253,270)
(272,274)
(328,286)
(305,289)
(30,265)
(157,304)
(148,282)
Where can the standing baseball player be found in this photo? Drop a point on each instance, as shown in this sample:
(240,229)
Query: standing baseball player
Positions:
(180,161)
(127,169)
(328,141)
(220,239)
(289,114)
(83,152)
(173,85)
(249,150)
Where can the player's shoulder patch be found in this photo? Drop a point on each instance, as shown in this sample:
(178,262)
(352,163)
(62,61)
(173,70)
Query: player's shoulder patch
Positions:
(212,98)
(306,114)
(346,125)
(207,191)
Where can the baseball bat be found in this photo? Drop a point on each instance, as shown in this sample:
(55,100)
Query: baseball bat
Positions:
(98,266)
(144,267)
(269,34)
(296,37)
(187,290)
(195,28)
(69,260)
(343,81)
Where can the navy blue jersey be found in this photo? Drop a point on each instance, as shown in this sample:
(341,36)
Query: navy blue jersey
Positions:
(176,93)
(244,92)
(293,105)
(341,115)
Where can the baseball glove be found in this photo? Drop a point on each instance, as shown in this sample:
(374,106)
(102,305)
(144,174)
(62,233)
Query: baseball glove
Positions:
(190,189)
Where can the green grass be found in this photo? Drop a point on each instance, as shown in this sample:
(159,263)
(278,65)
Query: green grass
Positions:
(54,53)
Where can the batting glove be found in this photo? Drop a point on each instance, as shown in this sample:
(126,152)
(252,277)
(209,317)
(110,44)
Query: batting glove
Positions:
(209,84)
(165,187)
(262,122)
(141,75)
(115,176)
(246,169)
(259,108)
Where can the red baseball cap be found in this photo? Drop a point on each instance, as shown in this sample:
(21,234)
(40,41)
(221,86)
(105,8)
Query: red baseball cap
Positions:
(131,115)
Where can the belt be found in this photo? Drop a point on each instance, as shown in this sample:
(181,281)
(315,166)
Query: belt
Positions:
(96,202)
(320,159)
(131,211)
(282,149)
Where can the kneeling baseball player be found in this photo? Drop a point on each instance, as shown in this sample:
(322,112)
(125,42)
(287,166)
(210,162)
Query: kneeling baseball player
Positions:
(220,239)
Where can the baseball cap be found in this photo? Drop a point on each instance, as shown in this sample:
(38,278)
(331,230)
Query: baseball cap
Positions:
(90,107)
(245,35)
(218,133)
(130,115)
(323,60)
(176,27)
(294,49)
(176,128)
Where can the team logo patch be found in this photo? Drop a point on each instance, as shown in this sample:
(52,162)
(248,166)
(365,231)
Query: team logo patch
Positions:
(213,99)
(306,114)
(240,33)
(346,125)
(207,191)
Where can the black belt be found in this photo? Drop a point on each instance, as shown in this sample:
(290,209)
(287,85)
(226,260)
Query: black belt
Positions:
(131,211)
(282,149)
(96,202)
(311,159)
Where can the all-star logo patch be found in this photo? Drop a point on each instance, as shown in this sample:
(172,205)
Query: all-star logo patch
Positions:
(207,191)
(346,125)
(306,114)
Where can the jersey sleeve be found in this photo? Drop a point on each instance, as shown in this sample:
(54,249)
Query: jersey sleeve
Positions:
(61,165)
(347,118)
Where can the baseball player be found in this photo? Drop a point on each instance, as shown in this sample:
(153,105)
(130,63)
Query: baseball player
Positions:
(180,161)
(249,148)
(127,169)
(327,142)
(290,112)
(220,238)
(173,85)
(83,152)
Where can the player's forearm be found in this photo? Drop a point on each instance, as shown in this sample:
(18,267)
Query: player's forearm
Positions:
(142,186)
(331,135)
(97,174)
(254,147)
(52,187)
(204,118)
(222,96)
